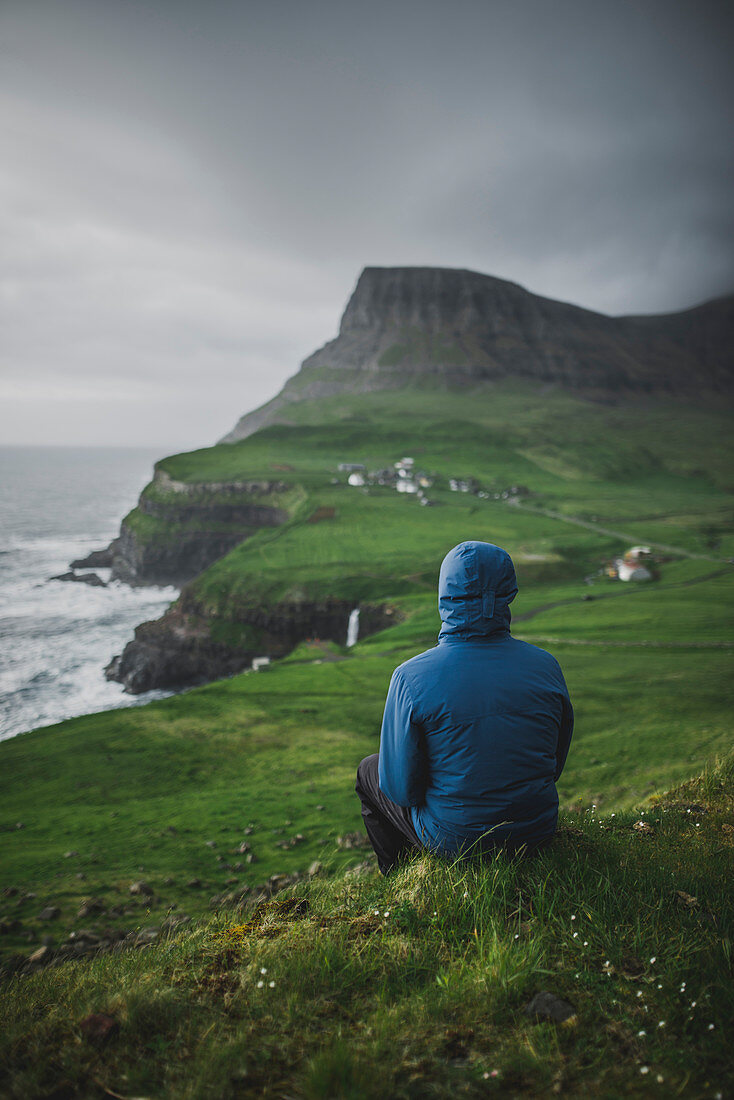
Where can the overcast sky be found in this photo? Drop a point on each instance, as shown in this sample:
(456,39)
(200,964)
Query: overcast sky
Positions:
(190,189)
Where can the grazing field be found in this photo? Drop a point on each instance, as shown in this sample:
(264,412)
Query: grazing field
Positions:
(203,796)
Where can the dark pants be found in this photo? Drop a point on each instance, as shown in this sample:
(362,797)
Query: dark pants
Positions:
(389,826)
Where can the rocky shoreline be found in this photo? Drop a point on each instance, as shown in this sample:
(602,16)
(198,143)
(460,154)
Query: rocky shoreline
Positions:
(176,532)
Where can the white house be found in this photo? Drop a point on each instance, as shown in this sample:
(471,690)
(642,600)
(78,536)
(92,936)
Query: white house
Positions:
(632,571)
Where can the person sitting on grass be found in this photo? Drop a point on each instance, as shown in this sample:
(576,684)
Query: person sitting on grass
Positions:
(475,731)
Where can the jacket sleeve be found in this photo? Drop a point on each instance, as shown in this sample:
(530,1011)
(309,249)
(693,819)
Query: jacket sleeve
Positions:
(565,732)
(402,757)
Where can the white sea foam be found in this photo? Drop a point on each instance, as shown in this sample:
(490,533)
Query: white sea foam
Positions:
(56,637)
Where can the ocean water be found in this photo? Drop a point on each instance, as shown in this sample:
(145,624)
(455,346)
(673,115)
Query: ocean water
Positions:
(57,504)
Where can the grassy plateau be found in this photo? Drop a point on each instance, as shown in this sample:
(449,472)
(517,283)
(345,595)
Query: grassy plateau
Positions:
(414,985)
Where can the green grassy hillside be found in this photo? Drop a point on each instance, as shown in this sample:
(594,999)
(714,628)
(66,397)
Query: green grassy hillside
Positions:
(648,666)
(421,984)
(643,472)
(170,792)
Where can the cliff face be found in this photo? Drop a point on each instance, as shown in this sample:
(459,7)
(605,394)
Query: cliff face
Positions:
(459,328)
(176,532)
(180,649)
(178,529)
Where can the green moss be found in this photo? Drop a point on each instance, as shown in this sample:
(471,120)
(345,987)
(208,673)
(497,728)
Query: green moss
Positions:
(394,355)
(236,635)
(448,353)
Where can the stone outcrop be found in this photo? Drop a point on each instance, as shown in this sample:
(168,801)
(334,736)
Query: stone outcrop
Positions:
(97,559)
(458,328)
(178,650)
(173,560)
(178,528)
(81,578)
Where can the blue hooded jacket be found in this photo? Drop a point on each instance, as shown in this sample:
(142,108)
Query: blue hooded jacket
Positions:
(476,730)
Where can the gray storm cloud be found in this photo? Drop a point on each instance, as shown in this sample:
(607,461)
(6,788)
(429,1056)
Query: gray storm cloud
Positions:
(194,187)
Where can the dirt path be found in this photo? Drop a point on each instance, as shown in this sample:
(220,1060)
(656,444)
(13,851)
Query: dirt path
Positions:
(527,615)
(524,616)
(598,529)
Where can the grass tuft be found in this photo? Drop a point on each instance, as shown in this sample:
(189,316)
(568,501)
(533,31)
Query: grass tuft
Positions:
(416,984)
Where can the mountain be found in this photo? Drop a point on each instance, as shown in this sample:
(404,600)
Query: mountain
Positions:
(461,329)
(621,425)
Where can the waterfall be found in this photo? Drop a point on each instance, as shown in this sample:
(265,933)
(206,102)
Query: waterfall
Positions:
(353,627)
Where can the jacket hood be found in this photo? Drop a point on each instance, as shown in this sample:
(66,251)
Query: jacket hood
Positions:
(475,588)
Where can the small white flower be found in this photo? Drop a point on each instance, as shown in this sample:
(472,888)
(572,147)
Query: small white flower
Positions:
(466,894)
(575,935)
(653,958)
(639,992)
(577,975)
(693,1004)
(517,935)
(260,984)
(263,969)
(272,985)
(711,1027)
(641,1033)
(573,916)
(661,1023)
(377,913)
(386,913)
(698,825)
(660,1078)
(586,943)
(660,985)
(644,1069)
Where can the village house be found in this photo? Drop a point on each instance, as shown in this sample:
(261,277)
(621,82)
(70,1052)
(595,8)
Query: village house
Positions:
(403,477)
(632,566)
